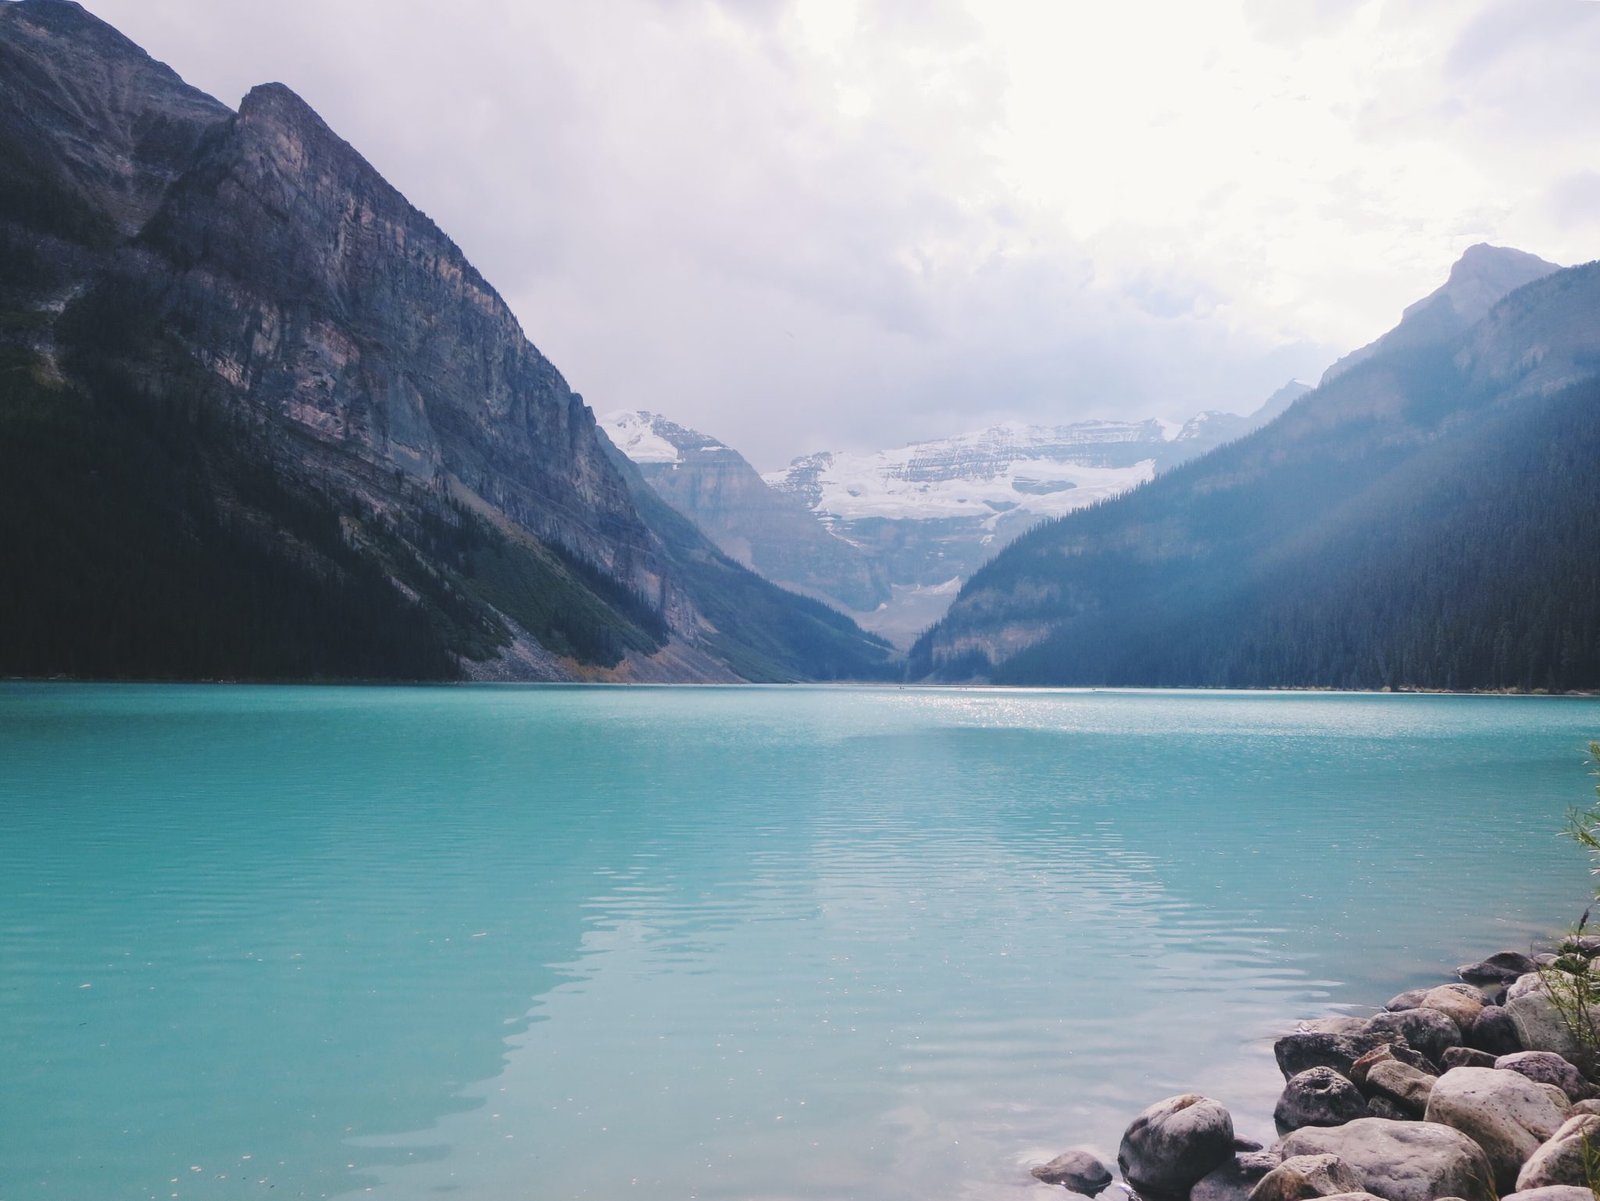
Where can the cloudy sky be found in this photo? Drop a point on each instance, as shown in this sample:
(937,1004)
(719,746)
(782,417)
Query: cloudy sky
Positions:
(808,224)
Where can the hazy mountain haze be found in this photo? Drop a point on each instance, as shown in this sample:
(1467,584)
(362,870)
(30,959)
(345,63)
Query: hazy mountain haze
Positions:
(816,223)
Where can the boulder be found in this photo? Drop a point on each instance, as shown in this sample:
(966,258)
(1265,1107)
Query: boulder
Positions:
(1383,1107)
(1357,1197)
(1410,999)
(1402,1161)
(1540,1023)
(1552,1192)
(1236,1177)
(1548,1068)
(1076,1170)
(1174,1143)
(1317,1049)
(1341,1024)
(1404,1086)
(1565,1158)
(1500,968)
(1461,1003)
(1389,1051)
(1425,1030)
(1318,1097)
(1494,1031)
(1505,1113)
(1587,1105)
(1301,1177)
(1466,1057)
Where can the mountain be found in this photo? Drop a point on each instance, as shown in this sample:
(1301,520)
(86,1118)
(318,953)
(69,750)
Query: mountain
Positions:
(770,532)
(1429,517)
(260,418)
(930,514)
(1478,280)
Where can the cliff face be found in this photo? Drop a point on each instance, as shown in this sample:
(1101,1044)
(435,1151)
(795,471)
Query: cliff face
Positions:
(319,299)
(312,439)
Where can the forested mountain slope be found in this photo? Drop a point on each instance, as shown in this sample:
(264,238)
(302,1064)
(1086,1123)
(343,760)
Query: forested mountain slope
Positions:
(1429,517)
(260,418)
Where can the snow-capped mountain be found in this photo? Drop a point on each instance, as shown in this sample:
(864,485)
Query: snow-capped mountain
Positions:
(890,535)
(772,533)
(933,512)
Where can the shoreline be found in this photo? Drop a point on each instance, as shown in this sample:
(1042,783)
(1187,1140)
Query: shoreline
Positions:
(1483,1087)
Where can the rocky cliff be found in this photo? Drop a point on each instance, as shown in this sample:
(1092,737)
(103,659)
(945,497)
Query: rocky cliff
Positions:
(320,394)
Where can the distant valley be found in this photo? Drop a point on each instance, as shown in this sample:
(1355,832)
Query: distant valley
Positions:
(890,536)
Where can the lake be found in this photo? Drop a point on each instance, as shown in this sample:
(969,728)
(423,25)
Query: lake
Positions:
(785,944)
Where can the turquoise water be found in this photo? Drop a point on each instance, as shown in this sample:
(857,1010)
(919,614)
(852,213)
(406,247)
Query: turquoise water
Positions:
(549,943)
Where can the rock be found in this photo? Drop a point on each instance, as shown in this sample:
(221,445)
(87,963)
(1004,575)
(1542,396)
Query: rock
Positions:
(1245,1144)
(1539,1022)
(1304,1176)
(1500,968)
(1383,1107)
(1236,1177)
(1402,1161)
(1425,1030)
(1403,1085)
(1317,1049)
(1494,1031)
(1587,945)
(1552,1192)
(1342,1024)
(1318,1097)
(1548,1068)
(1466,1057)
(1461,1003)
(1076,1170)
(1360,1197)
(1410,999)
(1389,1051)
(1562,1159)
(1505,1113)
(1587,1105)
(1174,1143)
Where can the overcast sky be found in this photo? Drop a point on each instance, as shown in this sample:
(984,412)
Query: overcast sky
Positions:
(810,224)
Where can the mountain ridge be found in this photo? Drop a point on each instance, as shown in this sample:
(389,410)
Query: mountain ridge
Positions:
(1383,532)
(324,397)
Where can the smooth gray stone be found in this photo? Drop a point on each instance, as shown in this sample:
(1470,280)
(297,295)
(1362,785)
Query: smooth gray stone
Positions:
(1410,999)
(1318,1097)
(1235,1178)
(1466,1057)
(1507,1114)
(1302,1177)
(1494,1031)
(1174,1143)
(1302,1050)
(1500,968)
(1402,1161)
(1076,1170)
(1425,1030)
(1552,1192)
(1562,1159)
(1548,1068)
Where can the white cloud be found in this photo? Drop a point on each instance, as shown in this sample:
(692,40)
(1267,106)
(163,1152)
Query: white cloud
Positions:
(808,223)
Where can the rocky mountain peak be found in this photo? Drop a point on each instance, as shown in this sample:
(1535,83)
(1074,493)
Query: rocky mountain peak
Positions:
(1483,276)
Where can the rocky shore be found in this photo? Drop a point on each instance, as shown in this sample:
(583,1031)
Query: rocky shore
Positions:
(1478,1089)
